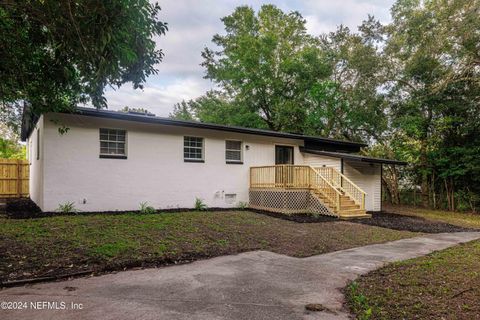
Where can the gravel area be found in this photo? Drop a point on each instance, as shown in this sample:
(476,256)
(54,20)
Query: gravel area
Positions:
(408,223)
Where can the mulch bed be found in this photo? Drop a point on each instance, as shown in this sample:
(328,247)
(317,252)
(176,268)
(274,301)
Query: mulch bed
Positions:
(408,223)
(22,208)
(301,218)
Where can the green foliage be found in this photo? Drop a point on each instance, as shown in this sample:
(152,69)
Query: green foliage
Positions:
(10,148)
(266,65)
(216,107)
(358,302)
(75,49)
(434,94)
(128,109)
(200,205)
(67,207)
(242,205)
(145,208)
(350,103)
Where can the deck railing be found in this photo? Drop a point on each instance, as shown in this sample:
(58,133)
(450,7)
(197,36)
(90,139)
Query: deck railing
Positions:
(280,176)
(340,181)
(295,177)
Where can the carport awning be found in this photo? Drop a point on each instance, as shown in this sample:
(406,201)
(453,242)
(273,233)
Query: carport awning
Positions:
(349,156)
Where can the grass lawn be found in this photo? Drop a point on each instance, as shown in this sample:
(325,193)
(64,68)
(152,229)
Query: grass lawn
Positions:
(468,220)
(442,285)
(65,244)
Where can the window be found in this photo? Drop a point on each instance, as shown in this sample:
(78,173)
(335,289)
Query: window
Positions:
(193,149)
(113,143)
(233,151)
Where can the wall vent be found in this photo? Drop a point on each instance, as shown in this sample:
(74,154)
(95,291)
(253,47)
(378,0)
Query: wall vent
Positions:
(230,198)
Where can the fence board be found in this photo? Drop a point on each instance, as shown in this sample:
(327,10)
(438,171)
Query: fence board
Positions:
(14,177)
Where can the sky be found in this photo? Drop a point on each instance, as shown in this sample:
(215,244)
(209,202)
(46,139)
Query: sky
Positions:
(192,24)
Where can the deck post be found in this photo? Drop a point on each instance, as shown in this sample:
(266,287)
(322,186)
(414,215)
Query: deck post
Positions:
(338,203)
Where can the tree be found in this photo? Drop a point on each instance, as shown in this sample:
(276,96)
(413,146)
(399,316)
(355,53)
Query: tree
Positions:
(349,104)
(215,107)
(56,54)
(183,111)
(136,110)
(267,63)
(9,146)
(434,85)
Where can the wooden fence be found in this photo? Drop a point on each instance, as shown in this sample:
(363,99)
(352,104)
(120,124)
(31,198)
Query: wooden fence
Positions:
(14,176)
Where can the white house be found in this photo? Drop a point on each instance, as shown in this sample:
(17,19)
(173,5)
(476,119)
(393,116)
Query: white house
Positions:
(109,160)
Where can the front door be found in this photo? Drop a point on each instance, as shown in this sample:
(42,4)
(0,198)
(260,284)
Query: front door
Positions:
(283,174)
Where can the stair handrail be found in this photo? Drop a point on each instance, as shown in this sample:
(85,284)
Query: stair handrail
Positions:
(358,196)
(336,201)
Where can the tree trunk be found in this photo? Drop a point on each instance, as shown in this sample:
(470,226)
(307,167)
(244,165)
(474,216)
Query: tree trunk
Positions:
(424,183)
(453,194)
(447,194)
(390,179)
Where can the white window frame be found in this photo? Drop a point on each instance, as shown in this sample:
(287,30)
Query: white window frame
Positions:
(113,155)
(202,148)
(233,161)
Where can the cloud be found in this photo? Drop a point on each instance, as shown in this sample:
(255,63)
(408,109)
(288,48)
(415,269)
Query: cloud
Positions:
(193,23)
(324,16)
(158,99)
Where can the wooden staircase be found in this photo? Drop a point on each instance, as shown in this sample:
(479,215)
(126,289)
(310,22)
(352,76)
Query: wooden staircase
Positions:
(348,208)
(348,200)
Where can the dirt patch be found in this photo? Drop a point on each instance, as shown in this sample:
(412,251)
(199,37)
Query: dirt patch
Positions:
(22,208)
(61,245)
(409,223)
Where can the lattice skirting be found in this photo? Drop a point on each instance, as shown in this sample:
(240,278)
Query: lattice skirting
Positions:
(287,201)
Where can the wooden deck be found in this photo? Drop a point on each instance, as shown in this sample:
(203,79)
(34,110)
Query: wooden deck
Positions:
(305,189)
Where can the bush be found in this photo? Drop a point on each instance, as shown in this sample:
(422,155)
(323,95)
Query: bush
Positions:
(146,209)
(67,207)
(200,205)
(242,205)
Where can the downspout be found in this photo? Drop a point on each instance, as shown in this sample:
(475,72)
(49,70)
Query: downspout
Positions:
(381,187)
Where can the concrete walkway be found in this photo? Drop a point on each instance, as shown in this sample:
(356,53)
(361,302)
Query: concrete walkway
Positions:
(252,285)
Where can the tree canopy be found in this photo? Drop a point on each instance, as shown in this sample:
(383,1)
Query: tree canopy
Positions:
(266,64)
(56,54)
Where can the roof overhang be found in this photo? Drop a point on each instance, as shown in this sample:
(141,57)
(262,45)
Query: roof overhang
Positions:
(109,114)
(355,157)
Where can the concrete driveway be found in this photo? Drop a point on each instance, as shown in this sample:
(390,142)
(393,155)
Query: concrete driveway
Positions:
(252,285)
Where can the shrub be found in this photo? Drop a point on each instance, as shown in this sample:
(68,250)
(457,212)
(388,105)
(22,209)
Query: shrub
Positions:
(146,209)
(67,207)
(200,205)
(242,205)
